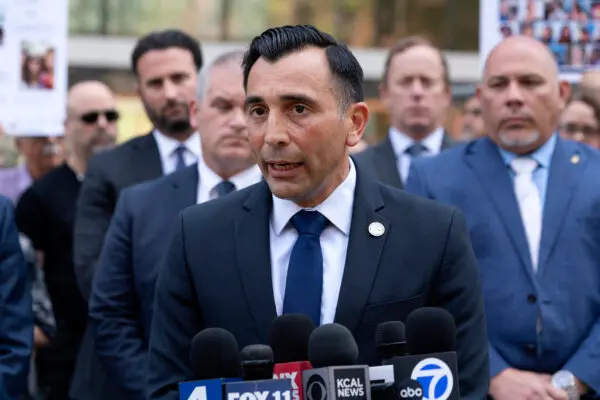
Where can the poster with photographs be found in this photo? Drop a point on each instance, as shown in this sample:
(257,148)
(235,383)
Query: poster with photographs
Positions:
(33,71)
(570,29)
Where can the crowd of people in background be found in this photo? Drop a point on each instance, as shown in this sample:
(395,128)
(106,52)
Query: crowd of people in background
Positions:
(94,218)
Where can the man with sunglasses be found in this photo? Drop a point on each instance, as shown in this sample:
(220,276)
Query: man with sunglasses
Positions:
(46,214)
(165,65)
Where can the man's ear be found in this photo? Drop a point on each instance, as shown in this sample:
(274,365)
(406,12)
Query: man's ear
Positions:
(357,117)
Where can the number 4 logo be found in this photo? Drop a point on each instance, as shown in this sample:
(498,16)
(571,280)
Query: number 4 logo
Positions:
(199,393)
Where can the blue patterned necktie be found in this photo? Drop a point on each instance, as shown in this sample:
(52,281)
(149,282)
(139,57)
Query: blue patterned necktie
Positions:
(224,187)
(415,150)
(304,283)
(179,152)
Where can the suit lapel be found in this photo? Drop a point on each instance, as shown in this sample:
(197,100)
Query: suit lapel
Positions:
(147,162)
(487,164)
(185,188)
(386,164)
(254,258)
(364,251)
(566,170)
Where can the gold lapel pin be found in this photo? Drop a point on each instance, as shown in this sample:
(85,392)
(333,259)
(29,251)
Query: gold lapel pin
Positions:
(575,159)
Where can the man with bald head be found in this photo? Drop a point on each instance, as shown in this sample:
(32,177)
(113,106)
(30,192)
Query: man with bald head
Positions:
(46,212)
(531,202)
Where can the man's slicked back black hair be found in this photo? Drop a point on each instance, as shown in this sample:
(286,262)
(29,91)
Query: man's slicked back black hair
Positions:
(161,40)
(275,43)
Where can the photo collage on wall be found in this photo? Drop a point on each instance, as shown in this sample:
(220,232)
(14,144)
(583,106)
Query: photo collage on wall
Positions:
(570,28)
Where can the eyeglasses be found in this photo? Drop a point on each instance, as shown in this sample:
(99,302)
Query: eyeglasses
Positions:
(92,116)
(586,130)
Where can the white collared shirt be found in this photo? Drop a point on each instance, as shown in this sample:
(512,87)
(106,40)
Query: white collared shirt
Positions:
(337,208)
(167,146)
(208,180)
(401,142)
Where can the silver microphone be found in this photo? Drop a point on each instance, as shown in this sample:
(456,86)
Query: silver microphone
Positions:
(565,380)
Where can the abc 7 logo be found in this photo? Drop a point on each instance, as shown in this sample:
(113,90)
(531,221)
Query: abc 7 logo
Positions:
(435,377)
(315,388)
(411,389)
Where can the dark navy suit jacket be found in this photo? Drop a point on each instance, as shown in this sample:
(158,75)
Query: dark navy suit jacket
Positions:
(381,163)
(123,286)
(217,273)
(566,288)
(16,313)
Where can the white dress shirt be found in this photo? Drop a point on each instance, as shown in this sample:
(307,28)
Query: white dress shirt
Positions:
(208,180)
(167,146)
(401,142)
(337,208)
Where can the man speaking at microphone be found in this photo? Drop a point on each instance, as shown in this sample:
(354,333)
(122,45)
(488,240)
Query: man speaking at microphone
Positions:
(317,236)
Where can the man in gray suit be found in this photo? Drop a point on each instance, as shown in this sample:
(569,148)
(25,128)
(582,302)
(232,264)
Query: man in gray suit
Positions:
(415,89)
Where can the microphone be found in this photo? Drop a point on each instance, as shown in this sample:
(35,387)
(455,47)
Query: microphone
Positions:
(214,359)
(565,380)
(430,330)
(288,338)
(390,340)
(257,362)
(430,371)
(332,351)
(257,370)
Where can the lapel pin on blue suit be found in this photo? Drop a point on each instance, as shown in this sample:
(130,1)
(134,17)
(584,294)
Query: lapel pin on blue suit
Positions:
(376,229)
(575,159)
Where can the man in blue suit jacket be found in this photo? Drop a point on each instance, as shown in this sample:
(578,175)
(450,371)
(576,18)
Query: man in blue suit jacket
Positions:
(123,286)
(16,313)
(239,262)
(542,306)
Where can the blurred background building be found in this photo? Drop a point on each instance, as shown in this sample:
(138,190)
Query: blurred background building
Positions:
(103,32)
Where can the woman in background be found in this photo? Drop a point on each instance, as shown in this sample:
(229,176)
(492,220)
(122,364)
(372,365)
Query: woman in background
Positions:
(580,120)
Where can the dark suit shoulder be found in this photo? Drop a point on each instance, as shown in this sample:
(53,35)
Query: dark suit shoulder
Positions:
(48,182)
(153,186)
(367,154)
(121,152)
(151,195)
(442,160)
(401,203)
(221,210)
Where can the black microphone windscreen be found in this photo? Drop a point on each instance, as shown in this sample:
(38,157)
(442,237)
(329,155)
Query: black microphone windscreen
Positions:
(289,337)
(390,340)
(390,333)
(332,345)
(430,330)
(214,353)
(257,352)
(257,362)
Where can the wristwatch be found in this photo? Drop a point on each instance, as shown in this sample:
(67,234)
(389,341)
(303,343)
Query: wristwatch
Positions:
(566,380)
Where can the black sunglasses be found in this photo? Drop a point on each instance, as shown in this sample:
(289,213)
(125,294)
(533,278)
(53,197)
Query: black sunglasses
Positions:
(92,116)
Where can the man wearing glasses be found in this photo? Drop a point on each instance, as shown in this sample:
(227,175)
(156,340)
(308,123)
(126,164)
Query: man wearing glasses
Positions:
(46,213)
